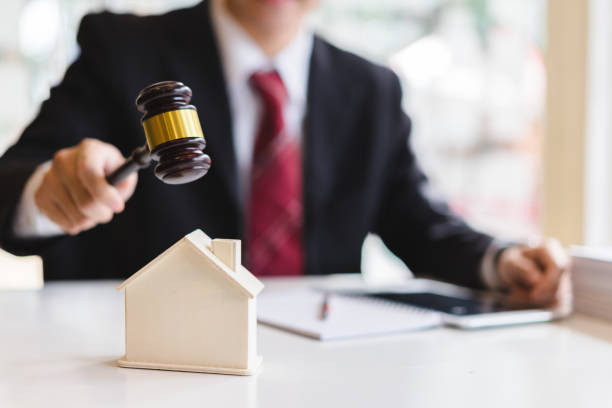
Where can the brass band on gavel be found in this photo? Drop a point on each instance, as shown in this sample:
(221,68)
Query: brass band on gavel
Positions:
(172,125)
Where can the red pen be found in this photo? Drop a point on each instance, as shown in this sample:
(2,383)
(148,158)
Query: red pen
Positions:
(324,307)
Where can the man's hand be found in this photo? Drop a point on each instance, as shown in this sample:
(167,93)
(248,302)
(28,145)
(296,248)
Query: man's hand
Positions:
(537,274)
(74,193)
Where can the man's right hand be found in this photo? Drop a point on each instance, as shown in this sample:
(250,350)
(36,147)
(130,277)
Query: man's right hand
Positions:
(74,192)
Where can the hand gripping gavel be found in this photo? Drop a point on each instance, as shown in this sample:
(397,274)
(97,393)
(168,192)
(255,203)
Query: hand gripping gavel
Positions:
(174,136)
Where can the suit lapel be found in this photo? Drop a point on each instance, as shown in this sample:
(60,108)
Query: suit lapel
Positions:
(332,95)
(194,59)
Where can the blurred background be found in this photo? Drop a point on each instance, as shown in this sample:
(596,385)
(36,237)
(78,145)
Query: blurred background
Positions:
(474,74)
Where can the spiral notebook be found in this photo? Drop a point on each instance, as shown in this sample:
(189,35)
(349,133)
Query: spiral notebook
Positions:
(299,311)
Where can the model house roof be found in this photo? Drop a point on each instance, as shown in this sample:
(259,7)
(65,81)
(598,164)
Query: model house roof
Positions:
(222,254)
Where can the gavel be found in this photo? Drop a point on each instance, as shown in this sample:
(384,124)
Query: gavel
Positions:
(174,136)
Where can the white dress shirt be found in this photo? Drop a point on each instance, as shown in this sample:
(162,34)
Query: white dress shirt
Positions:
(240,58)
(29,221)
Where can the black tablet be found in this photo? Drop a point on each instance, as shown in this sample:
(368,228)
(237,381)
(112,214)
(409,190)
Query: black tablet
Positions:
(469,311)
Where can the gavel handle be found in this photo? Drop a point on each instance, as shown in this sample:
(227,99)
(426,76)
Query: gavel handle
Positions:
(139,159)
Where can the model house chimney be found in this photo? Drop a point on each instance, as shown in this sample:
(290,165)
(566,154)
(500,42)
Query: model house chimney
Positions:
(228,251)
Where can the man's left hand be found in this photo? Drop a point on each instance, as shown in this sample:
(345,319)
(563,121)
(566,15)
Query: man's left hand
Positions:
(537,274)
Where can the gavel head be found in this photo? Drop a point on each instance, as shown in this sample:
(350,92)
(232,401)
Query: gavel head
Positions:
(173,132)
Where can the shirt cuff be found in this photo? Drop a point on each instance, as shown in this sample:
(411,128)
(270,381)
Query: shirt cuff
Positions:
(29,221)
(488,267)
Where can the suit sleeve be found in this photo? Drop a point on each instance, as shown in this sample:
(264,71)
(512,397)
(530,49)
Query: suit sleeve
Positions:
(74,110)
(415,223)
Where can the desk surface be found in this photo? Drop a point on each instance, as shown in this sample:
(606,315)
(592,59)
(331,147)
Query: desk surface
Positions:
(58,346)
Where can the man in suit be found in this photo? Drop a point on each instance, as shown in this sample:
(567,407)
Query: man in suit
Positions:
(309,147)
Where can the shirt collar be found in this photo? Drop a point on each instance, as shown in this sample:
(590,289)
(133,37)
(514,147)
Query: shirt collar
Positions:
(241,56)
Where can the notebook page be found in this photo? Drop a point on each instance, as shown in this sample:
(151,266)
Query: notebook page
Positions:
(299,311)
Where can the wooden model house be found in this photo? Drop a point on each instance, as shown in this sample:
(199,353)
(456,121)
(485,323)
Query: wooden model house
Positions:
(193,309)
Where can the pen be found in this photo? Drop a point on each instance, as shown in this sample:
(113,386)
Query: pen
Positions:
(324,312)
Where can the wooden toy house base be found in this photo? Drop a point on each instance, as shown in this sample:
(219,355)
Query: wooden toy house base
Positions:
(190,368)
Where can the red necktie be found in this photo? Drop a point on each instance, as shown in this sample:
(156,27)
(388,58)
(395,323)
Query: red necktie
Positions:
(274,210)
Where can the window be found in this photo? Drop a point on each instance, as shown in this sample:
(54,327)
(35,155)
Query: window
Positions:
(474,83)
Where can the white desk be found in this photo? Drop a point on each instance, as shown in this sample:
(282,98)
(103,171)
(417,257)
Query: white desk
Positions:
(58,348)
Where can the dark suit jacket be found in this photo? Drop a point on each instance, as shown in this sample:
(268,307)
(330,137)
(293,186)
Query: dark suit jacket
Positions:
(360,175)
